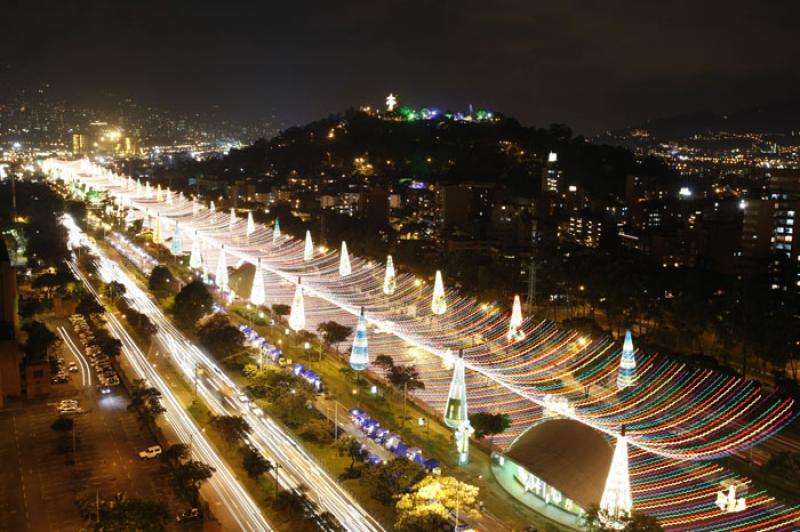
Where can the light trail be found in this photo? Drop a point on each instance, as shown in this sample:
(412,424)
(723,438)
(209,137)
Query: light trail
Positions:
(218,391)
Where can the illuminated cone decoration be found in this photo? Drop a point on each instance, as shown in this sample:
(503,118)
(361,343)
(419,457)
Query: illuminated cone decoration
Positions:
(276,231)
(627,364)
(455,412)
(448,359)
(297,317)
(438,303)
(514,324)
(359,354)
(344,261)
(159,195)
(195,207)
(138,186)
(169,197)
(616,503)
(130,217)
(147,192)
(251,225)
(195,259)
(222,270)
(233,219)
(175,246)
(390,281)
(308,251)
(157,230)
(257,296)
(213,208)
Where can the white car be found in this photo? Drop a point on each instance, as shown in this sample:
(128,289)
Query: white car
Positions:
(151,452)
(69,409)
(243,398)
(73,367)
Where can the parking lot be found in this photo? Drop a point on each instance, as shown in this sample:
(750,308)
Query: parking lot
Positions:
(39,483)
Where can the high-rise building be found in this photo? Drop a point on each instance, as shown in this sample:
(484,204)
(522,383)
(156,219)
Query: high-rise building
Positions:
(784,193)
(551,174)
(80,144)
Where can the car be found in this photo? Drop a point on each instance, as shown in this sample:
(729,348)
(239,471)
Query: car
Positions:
(68,402)
(243,398)
(58,380)
(151,452)
(69,409)
(189,515)
(257,411)
(105,390)
(73,367)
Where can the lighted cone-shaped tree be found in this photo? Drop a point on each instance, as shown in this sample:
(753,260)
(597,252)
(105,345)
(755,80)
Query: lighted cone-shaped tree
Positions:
(515,322)
(157,230)
(390,281)
(232,221)
(359,354)
(616,503)
(222,271)
(344,261)
(138,186)
(251,225)
(130,217)
(175,246)
(147,191)
(627,364)
(438,302)
(195,207)
(195,260)
(455,412)
(276,231)
(297,316)
(159,195)
(308,251)
(169,197)
(448,359)
(257,296)
(212,208)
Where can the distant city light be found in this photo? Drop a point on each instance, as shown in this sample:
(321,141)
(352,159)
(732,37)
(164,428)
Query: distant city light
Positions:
(552,157)
(685,192)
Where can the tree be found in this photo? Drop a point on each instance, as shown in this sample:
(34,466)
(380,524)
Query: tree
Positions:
(334,333)
(110,346)
(188,477)
(281,310)
(145,400)
(594,520)
(234,429)
(316,430)
(88,305)
(254,462)
(385,362)
(430,502)
(405,378)
(123,513)
(486,424)
(389,480)
(352,448)
(161,280)
(115,290)
(40,340)
(220,337)
(192,303)
(177,452)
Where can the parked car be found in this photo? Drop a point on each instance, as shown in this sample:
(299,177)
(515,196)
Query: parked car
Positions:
(189,515)
(151,452)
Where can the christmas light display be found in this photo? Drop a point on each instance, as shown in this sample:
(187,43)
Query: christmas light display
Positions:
(276,232)
(515,322)
(677,417)
(297,316)
(157,230)
(175,246)
(308,249)
(195,262)
(344,261)
(390,279)
(438,300)
(627,364)
(616,503)
(359,354)
(257,296)
(221,279)
(251,225)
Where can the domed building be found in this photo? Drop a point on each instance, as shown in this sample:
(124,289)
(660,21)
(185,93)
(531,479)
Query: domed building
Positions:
(558,467)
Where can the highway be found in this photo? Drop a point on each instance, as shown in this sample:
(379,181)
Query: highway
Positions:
(219,392)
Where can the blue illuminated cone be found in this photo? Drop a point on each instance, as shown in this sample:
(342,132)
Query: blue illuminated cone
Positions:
(297,316)
(276,231)
(627,364)
(359,355)
(455,412)
(175,246)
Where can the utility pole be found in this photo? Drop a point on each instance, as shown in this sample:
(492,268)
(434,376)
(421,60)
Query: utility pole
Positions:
(531,299)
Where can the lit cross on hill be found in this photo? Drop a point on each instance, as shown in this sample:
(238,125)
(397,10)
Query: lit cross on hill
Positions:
(391,102)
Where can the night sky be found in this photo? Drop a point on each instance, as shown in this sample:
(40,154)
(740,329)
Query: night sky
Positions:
(589,64)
